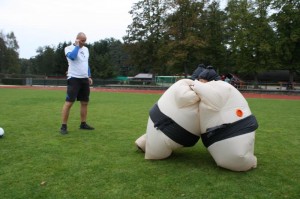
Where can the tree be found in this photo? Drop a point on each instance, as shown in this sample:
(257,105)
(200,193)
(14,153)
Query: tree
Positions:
(3,50)
(214,35)
(243,38)
(60,62)
(144,34)
(26,66)
(11,41)
(9,55)
(183,38)
(106,58)
(44,61)
(287,24)
(263,38)
(103,60)
(118,57)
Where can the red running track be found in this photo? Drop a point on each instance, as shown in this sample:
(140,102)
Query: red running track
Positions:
(146,91)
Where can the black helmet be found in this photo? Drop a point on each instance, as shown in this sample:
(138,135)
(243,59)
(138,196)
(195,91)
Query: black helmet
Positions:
(209,74)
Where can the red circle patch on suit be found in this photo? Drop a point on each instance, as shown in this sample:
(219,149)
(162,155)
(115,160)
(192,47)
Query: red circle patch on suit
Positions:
(239,113)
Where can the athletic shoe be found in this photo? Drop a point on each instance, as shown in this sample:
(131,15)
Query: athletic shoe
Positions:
(63,131)
(85,126)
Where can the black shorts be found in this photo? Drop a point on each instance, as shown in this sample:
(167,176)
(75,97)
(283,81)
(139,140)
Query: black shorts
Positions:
(78,88)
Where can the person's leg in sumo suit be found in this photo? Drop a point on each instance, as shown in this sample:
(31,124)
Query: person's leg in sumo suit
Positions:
(173,122)
(227,125)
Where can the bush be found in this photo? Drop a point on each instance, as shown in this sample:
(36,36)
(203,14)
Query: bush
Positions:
(13,81)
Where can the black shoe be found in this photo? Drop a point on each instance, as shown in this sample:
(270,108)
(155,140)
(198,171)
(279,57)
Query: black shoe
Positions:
(63,131)
(85,126)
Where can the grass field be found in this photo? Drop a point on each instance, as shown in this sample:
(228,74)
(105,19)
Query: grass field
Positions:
(37,162)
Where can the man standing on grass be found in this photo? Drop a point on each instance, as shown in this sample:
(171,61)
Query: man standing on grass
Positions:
(79,81)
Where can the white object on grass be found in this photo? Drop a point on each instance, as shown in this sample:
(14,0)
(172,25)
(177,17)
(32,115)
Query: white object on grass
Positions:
(1,132)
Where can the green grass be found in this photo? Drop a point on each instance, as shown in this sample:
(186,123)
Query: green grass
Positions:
(37,162)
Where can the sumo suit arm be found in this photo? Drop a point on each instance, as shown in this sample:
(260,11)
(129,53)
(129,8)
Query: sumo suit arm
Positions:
(211,96)
(185,96)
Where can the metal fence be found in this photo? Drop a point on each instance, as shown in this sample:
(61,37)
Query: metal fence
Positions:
(266,86)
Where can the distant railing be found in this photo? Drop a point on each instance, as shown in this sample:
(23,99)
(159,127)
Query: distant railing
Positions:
(269,86)
(278,86)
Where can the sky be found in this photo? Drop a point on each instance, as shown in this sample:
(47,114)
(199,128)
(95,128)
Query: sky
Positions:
(39,23)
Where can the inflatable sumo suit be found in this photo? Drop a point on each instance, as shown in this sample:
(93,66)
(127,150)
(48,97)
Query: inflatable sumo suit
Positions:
(227,125)
(173,122)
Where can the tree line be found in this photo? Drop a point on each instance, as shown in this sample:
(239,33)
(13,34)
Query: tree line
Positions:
(171,37)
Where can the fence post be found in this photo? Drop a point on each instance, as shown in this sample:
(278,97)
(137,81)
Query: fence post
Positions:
(28,81)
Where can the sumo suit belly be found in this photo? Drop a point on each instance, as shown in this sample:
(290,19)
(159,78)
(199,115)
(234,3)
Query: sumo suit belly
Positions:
(158,145)
(223,104)
(235,153)
(180,104)
(233,149)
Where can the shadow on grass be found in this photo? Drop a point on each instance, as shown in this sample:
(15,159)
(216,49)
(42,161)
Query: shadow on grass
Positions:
(187,157)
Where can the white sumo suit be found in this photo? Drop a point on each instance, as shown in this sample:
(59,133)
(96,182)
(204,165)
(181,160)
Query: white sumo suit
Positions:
(173,122)
(227,125)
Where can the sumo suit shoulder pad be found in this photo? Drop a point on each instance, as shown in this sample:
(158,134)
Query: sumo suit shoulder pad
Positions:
(225,131)
(171,129)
